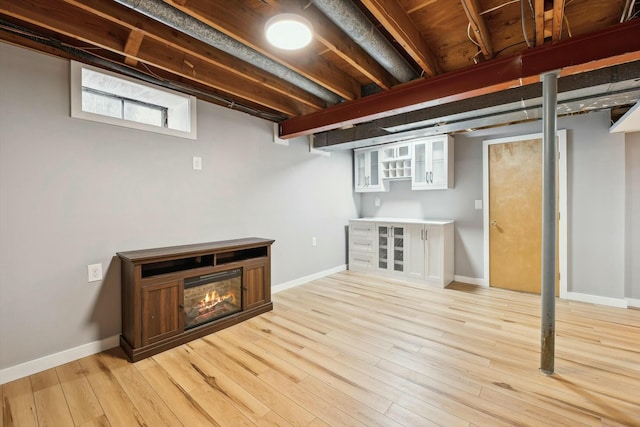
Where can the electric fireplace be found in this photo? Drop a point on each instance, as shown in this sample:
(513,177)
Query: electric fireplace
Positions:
(212,296)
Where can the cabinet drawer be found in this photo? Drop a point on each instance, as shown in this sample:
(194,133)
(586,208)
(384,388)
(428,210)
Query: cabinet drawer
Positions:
(360,261)
(361,229)
(361,244)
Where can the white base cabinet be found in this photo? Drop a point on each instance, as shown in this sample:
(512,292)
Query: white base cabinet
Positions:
(419,251)
(362,246)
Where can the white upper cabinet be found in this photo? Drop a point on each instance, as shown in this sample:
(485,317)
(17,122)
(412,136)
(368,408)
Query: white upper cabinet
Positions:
(396,161)
(367,171)
(432,163)
(427,162)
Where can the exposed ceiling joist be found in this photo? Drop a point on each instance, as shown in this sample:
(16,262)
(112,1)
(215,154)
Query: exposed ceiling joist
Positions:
(233,22)
(478,26)
(539,21)
(132,46)
(396,21)
(498,74)
(332,38)
(374,49)
(63,18)
(558,17)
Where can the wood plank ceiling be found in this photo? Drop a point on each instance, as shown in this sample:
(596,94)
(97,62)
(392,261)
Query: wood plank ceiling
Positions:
(216,50)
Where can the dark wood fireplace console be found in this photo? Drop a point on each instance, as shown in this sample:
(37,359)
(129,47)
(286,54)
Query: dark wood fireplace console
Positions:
(153,318)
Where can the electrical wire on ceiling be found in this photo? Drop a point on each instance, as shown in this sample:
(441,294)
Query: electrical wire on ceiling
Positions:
(524,30)
(566,22)
(493,9)
(533,19)
(627,12)
(498,7)
(84,54)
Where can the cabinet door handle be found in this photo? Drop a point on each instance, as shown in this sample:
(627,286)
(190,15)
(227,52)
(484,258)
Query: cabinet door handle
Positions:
(426,234)
(421,234)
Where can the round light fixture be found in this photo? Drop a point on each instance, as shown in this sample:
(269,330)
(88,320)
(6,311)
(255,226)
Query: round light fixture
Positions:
(288,31)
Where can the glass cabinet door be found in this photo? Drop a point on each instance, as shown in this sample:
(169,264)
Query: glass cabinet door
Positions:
(398,248)
(383,250)
(360,169)
(438,167)
(374,167)
(420,163)
(403,150)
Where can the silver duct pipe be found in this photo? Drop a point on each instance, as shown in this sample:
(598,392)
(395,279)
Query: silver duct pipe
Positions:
(180,21)
(352,21)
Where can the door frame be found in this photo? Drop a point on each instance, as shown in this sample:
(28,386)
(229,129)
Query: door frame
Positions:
(562,201)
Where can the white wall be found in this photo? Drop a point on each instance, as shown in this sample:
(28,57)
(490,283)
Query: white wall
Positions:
(632,145)
(596,202)
(74,192)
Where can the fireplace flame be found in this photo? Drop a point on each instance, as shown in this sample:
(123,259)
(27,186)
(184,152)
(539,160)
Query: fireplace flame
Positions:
(212,298)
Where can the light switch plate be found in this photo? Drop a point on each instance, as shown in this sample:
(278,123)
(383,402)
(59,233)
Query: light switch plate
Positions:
(478,204)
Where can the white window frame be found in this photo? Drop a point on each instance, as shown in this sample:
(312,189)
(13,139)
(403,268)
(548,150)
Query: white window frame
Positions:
(77,112)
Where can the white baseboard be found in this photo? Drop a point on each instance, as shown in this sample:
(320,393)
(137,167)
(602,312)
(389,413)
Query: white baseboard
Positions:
(302,280)
(470,280)
(633,302)
(595,299)
(51,361)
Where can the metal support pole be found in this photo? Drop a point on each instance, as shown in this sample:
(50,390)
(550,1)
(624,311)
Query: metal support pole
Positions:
(549,209)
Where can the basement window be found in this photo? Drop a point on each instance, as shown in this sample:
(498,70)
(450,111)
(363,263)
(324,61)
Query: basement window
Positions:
(106,97)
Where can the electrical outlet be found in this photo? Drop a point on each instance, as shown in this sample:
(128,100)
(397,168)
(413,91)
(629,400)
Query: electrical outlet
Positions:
(376,201)
(314,242)
(197,163)
(95,272)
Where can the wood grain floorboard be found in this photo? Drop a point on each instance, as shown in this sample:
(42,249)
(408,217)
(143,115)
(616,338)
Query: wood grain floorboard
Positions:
(357,350)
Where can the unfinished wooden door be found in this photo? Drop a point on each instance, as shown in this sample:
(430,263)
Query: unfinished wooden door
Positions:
(515,215)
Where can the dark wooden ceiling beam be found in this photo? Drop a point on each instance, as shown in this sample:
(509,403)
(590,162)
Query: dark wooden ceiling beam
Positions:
(123,16)
(478,26)
(55,15)
(398,23)
(577,54)
(246,26)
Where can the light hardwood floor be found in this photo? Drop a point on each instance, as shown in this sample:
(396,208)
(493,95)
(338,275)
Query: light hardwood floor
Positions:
(353,350)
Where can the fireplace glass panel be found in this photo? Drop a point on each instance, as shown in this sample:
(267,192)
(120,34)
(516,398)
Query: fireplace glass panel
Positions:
(211,297)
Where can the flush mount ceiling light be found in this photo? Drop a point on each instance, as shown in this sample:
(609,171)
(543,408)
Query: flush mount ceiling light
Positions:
(288,31)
